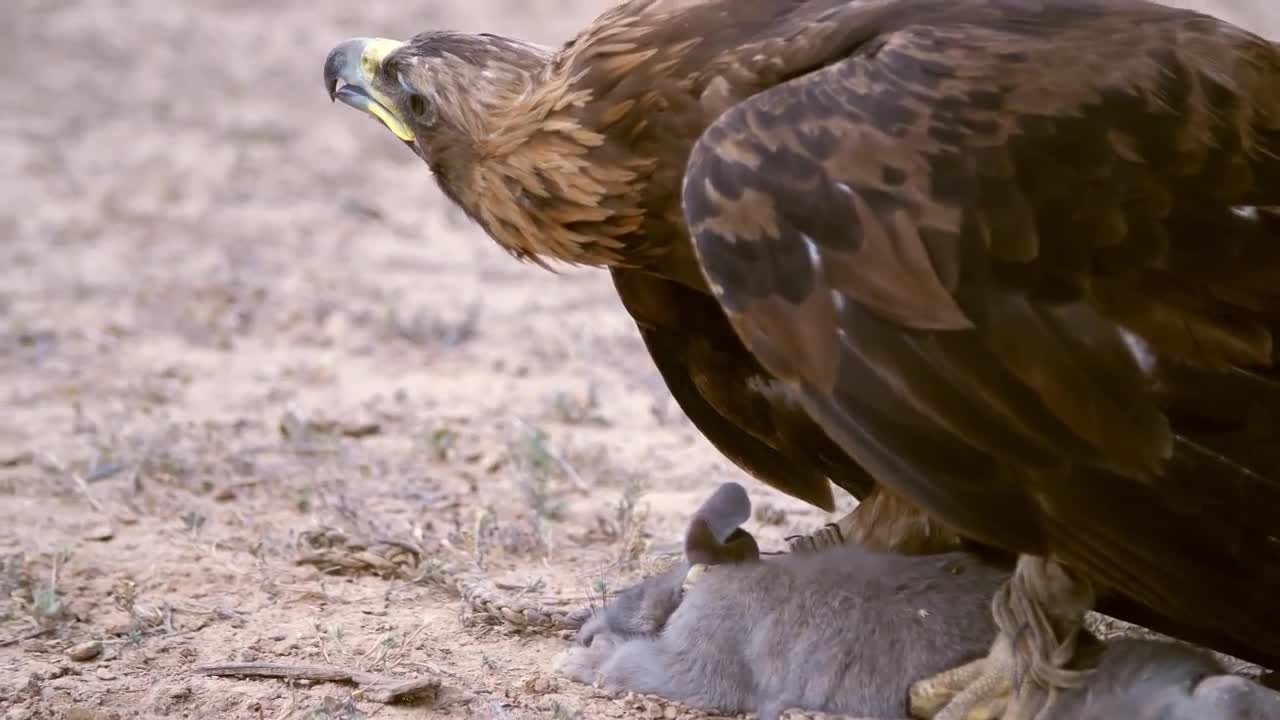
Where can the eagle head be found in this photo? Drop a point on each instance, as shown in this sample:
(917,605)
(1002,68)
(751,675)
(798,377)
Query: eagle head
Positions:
(510,138)
(445,94)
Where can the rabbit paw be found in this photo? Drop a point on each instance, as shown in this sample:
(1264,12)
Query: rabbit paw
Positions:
(584,662)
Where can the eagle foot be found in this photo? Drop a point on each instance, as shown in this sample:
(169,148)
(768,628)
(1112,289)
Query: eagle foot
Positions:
(1039,613)
(976,691)
(828,536)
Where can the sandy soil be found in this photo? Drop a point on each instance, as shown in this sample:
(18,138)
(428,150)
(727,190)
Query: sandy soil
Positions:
(265,394)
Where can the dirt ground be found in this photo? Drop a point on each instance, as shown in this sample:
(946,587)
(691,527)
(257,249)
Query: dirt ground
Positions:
(267,398)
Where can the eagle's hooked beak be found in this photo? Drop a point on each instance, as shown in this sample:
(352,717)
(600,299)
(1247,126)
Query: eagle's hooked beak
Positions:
(356,62)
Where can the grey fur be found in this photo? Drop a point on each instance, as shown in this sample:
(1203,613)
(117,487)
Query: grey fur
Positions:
(1160,680)
(844,630)
(847,631)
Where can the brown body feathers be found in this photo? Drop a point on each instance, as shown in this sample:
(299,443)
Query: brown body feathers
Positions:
(1004,267)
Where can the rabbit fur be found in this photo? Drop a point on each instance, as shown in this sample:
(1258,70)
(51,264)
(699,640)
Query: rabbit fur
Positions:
(847,631)
(843,630)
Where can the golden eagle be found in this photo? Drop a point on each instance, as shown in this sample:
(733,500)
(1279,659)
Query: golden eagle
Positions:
(1007,270)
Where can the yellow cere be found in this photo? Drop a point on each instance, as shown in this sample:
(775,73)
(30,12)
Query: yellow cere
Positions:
(375,51)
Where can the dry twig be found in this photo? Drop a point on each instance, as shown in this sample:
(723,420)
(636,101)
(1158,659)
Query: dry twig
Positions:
(29,634)
(372,687)
(334,551)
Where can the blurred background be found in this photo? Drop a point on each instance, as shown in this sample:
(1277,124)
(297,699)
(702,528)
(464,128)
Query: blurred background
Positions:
(240,328)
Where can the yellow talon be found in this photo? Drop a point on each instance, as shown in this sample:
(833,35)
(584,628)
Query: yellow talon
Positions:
(979,690)
(929,695)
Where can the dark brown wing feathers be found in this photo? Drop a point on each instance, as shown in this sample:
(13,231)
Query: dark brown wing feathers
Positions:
(951,241)
(725,393)
(1013,259)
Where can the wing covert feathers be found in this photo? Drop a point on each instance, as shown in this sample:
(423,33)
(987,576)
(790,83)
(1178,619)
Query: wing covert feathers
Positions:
(974,248)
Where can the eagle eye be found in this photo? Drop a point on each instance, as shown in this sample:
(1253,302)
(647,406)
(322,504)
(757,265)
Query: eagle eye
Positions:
(420,108)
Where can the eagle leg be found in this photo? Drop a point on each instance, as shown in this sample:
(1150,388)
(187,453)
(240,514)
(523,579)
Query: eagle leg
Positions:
(1039,613)
(830,535)
(881,522)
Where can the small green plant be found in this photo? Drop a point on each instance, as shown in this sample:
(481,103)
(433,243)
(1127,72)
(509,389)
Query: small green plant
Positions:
(629,520)
(441,443)
(572,410)
(536,463)
(47,602)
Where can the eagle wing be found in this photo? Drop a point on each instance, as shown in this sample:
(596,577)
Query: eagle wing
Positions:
(727,395)
(971,248)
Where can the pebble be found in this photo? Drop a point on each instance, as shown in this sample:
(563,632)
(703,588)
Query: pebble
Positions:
(249,655)
(65,683)
(26,457)
(126,518)
(100,533)
(105,674)
(118,623)
(84,651)
(535,685)
(40,671)
(33,645)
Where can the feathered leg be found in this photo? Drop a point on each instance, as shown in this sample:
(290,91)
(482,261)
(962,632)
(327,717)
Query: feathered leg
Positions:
(882,522)
(1040,613)
(829,535)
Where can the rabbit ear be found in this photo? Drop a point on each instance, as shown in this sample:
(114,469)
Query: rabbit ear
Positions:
(726,509)
(714,536)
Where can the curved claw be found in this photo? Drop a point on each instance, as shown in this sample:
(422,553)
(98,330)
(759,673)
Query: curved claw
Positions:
(1042,608)
(828,536)
(979,690)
